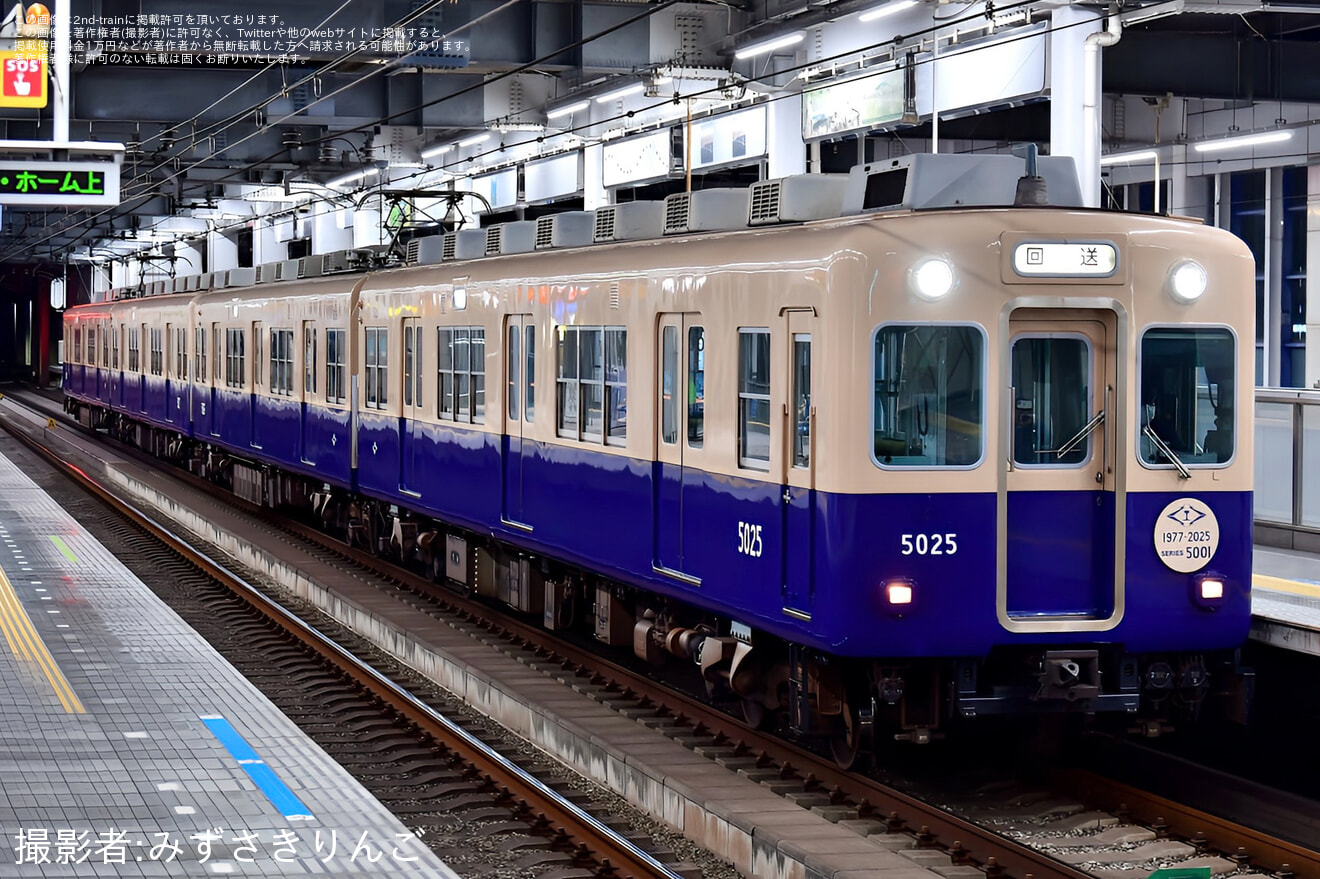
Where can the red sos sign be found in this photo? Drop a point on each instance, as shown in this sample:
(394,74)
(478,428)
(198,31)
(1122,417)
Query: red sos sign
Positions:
(23,78)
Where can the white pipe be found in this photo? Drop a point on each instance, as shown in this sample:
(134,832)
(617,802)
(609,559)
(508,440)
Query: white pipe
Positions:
(1088,163)
(60,74)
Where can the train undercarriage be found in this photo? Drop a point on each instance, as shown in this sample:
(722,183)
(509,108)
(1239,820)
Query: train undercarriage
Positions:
(850,707)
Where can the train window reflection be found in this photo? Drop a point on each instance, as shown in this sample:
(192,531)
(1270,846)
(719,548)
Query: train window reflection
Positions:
(1188,381)
(929,390)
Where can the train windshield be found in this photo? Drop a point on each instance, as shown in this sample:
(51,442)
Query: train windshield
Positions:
(929,389)
(1188,378)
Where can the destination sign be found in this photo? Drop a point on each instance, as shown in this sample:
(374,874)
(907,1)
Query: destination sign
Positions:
(60,184)
(1054,259)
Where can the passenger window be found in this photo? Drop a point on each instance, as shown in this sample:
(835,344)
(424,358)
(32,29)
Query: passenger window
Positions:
(1188,383)
(802,400)
(929,392)
(696,430)
(530,375)
(753,398)
(515,362)
(669,378)
(616,385)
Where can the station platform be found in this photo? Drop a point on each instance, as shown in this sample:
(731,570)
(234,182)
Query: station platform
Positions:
(128,747)
(1285,599)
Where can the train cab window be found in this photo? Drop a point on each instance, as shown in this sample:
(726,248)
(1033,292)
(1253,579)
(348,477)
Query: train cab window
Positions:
(696,391)
(235,355)
(1051,380)
(377,366)
(1188,383)
(335,355)
(754,398)
(929,390)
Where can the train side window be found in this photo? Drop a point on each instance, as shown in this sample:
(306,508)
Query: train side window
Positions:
(616,385)
(114,351)
(590,375)
(668,381)
(529,375)
(335,388)
(199,354)
(235,355)
(133,349)
(408,365)
(696,371)
(477,357)
(567,381)
(461,374)
(515,365)
(76,353)
(309,359)
(929,395)
(106,333)
(281,362)
(1188,388)
(754,398)
(181,354)
(801,400)
(377,366)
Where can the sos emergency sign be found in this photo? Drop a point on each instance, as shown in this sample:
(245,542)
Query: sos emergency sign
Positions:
(22,80)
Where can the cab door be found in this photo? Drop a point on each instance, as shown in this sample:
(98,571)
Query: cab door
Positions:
(1061,413)
(519,407)
(411,423)
(799,487)
(681,352)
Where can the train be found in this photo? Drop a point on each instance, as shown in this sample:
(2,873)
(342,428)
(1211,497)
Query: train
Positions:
(877,454)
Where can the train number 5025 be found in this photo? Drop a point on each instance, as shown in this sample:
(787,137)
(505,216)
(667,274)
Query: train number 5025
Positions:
(929,544)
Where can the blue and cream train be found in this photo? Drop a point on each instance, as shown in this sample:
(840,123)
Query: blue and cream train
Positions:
(890,452)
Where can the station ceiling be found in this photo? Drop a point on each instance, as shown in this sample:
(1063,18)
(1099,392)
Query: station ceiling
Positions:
(201,103)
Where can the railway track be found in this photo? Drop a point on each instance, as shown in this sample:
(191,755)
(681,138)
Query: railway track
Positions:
(1055,829)
(429,769)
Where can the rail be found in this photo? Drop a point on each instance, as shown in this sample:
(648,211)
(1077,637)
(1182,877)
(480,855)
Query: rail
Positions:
(1287,484)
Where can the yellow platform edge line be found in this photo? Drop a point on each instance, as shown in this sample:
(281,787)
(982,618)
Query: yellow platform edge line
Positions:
(23,624)
(1279,584)
(17,646)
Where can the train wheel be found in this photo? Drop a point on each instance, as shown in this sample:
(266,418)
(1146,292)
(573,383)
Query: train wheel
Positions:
(755,713)
(846,744)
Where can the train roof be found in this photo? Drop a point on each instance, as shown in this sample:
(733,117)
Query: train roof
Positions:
(918,182)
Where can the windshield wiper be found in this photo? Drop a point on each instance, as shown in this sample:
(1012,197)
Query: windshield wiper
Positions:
(1167,452)
(1081,435)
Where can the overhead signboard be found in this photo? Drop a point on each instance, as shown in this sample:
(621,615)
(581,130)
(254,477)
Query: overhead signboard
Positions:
(872,100)
(729,139)
(60,184)
(22,79)
(636,160)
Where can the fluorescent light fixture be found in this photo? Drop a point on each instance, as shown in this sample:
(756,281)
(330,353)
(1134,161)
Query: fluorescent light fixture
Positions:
(354,176)
(887,9)
(1123,158)
(768,46)
(567,109)
(619,94)
(474,140)
(438,149)
(1231,143)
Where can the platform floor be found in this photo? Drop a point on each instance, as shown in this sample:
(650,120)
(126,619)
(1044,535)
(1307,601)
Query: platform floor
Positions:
(1285,599)
(128,747)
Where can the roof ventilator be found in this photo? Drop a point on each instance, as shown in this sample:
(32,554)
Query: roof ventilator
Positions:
(706,210)
(798,198)
(629,221)
(569,229)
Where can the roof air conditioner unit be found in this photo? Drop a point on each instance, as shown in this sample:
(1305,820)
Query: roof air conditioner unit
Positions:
(470,244)
(569,229)
(515,237)
(796,199)
(629,221)
(707,210)
(311,266)
(450,247)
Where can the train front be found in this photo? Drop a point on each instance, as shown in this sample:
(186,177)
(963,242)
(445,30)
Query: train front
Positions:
(1056,512)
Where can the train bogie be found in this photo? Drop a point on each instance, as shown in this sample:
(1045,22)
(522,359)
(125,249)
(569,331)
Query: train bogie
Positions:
(885,468)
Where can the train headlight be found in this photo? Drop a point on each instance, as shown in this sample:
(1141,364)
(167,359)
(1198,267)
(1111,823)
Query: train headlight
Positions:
(1187,280)
(931,279)
(1209,592)
(898,595)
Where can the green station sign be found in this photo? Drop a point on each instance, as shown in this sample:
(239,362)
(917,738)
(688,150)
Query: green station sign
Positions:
(59,184)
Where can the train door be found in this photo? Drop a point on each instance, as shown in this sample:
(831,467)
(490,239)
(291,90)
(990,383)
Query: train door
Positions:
(681,349)
(221,360)
(411,441)
(257,386)
(1062,409)
(307,388)
(519,404)
(799,487)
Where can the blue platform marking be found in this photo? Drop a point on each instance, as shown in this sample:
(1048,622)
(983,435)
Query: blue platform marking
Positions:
(262,775)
